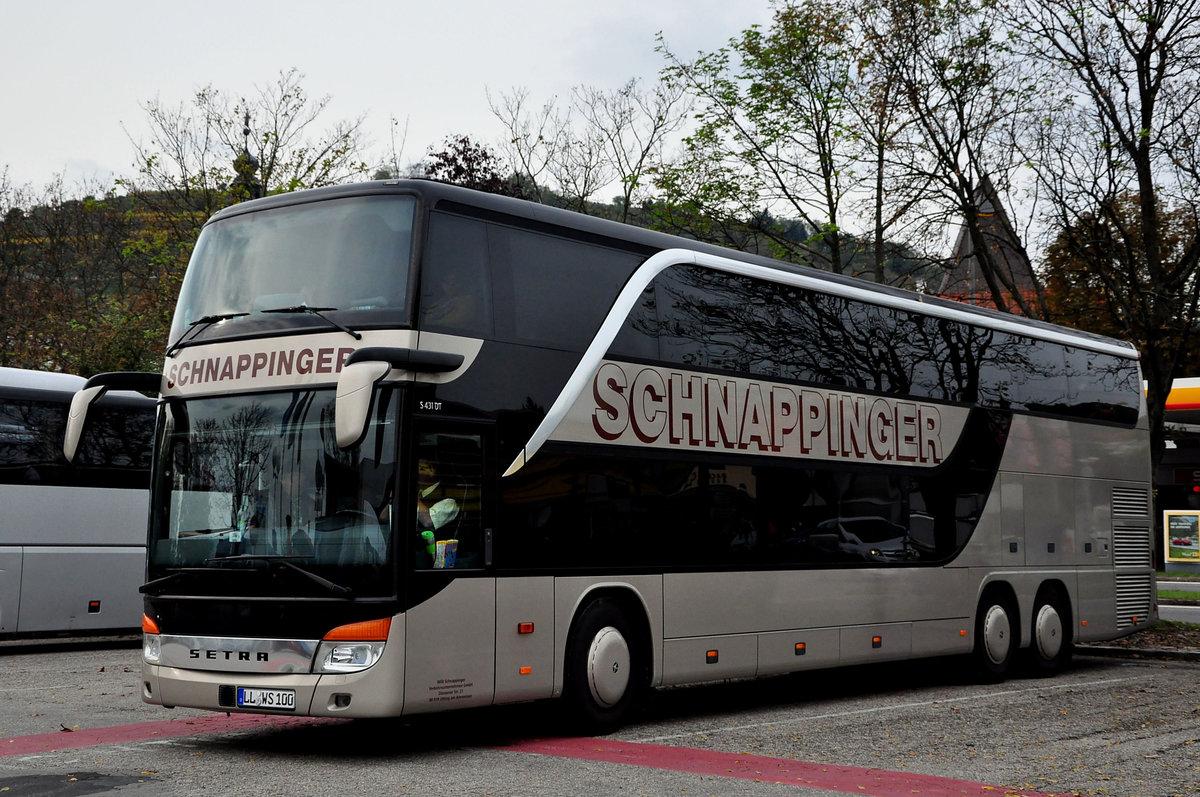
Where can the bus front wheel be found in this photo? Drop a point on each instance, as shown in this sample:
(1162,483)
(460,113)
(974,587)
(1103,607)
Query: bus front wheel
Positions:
(602,681)
(996,636)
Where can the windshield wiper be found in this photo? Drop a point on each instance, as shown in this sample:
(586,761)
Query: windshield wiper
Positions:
(198,326)
(317,311)
(284,560)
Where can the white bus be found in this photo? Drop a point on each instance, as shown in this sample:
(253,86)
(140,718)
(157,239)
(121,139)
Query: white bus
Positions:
(72,536)
(422,448)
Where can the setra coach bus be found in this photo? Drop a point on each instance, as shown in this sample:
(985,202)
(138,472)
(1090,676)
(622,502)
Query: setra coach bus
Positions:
(421,448)
(72,536)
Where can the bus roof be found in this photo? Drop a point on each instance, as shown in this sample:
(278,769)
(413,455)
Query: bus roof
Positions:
(40,380)
(572,224)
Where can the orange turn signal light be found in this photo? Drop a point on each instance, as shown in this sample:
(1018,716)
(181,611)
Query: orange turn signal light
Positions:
(149,626)
(366,631)
(524,628)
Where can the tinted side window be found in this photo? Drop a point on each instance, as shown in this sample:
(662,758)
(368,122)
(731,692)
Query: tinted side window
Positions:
(114,450)
(30,438)
(117,437)
(553,291)
(713,320)
(456,286)
(621,511)
(1102,386)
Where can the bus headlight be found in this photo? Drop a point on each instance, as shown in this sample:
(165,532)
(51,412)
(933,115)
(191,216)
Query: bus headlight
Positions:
(151,641)
(353,647)
(347,656)
(151,648)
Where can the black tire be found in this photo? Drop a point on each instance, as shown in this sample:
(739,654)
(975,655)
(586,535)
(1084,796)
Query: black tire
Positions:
(604,671)
(997,636)
(1051,646)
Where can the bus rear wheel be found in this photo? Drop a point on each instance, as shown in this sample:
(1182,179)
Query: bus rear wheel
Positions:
(1052,647)
(996,636)
(602,677)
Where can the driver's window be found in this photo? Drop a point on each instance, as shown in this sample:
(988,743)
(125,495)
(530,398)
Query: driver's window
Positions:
(449,477)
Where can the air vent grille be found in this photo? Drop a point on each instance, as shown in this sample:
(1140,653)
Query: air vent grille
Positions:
(1128,502)
(1131,546)
(1133,599)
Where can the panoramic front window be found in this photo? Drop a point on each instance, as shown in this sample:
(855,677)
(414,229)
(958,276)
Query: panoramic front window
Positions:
(347,257)
(258,483)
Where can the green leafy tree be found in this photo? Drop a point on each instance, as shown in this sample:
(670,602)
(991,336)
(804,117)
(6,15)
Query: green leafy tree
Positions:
(74,293)
(773,133)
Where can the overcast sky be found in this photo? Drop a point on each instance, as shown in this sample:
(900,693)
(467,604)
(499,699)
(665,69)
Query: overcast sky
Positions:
(76,71)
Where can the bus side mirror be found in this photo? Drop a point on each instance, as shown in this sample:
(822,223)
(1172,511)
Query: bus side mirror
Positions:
(93,389)
(77,415)
(365,368)
(352,403)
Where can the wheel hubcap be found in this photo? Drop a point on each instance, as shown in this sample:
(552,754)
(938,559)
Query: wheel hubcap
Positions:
(997,634)
(1049,632)
(608,667)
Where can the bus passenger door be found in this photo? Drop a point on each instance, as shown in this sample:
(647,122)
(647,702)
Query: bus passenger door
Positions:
(450,627)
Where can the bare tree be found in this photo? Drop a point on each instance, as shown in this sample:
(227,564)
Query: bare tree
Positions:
(600,138)
(966,93)
(878,104)
(186,165)
(1119,152)
(631,124)
(533,138)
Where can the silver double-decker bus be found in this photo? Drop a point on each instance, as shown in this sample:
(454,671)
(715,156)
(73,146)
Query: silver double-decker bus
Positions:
(422,448)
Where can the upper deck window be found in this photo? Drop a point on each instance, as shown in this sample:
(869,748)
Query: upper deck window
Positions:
(517,285)
(349,256)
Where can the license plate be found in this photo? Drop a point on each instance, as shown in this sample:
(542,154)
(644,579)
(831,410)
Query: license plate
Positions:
(278,699)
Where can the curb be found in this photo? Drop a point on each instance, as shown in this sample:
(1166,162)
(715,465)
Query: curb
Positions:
(1162,654)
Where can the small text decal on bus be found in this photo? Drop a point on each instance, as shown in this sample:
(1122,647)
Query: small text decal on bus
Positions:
(642,405)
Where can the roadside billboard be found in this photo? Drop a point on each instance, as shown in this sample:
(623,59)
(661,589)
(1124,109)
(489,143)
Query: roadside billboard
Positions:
(1181,530)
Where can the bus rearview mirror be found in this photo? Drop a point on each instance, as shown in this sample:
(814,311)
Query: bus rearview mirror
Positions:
(76,417)
(352,408)
(93,389)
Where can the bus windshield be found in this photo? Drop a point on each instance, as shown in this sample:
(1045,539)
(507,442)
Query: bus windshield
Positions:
(349,255)
(258,480)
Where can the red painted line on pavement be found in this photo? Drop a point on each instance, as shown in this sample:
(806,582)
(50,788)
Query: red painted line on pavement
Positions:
(830,777)
(143,731)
